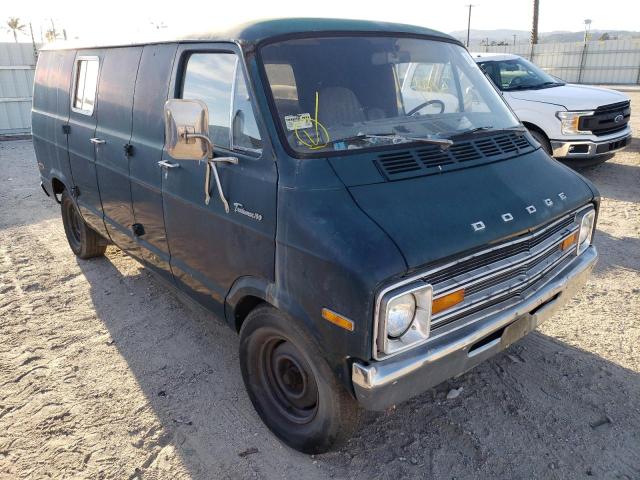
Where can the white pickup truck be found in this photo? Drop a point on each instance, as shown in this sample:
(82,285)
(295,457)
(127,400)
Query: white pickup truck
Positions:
(577,123)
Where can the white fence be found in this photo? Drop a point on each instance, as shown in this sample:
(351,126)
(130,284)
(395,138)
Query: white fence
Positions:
(604,62)
(17,67)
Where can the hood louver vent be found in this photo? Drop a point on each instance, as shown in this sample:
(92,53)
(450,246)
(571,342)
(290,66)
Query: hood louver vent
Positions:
(432,159)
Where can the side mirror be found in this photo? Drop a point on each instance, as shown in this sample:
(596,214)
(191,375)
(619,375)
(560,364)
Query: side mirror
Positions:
(186,126)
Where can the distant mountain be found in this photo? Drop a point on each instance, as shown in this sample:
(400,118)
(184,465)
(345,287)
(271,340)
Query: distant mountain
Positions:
(522,36)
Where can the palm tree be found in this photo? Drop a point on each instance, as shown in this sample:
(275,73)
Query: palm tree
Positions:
(15,26)
(51,35)
(534,28)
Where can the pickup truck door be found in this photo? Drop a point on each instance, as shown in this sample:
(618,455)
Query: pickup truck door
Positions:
(210,248)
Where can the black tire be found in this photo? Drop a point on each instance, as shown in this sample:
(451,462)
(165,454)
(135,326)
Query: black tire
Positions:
(292,386)
(588,162)
(83,240)
(542,139)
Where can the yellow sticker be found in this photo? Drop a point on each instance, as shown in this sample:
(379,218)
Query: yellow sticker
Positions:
(295,122)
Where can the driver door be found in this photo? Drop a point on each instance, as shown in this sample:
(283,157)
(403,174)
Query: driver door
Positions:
(210,248)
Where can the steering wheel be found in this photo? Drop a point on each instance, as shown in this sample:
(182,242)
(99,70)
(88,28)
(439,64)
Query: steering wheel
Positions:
(415,110)
(515,81)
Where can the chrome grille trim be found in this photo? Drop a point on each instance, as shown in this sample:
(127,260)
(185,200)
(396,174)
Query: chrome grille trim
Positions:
(542,246)
(496,293)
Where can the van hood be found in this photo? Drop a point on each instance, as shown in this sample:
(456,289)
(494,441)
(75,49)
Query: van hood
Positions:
(570,96)
(430,218)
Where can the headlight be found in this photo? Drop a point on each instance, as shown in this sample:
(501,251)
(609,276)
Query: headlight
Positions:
(400,313)
(405,318)
(570,122)
(587,225)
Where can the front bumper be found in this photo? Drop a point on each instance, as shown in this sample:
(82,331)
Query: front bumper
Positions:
(378,385)
(574,149)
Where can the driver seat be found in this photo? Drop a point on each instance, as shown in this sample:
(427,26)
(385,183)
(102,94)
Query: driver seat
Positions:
(339,106)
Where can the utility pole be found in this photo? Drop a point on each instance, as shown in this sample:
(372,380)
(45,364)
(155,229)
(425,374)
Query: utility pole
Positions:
(33,42)
(514,39)
(469,23)
(53,29)
(587,27)
(534,28)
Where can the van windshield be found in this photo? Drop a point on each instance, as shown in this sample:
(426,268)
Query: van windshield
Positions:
(354,92)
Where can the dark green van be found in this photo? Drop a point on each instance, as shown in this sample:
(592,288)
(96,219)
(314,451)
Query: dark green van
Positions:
(365,247)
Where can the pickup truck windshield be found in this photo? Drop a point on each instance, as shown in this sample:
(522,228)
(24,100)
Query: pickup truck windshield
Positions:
(518,74)
(353,92)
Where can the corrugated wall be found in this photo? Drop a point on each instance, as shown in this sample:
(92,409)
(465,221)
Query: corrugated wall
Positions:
(17,68)
(608,62)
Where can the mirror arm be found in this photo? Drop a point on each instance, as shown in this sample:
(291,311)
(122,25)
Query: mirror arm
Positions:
(211,167)
(205,139)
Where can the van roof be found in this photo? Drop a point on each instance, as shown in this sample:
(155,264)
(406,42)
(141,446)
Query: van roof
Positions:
(257,31)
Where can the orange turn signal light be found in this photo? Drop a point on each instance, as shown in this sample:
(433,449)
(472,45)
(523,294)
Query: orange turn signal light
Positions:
(337,319)
(447,301)
(569,241)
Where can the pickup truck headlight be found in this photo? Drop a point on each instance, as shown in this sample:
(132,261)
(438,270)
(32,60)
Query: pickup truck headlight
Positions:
(570,122)
(587,224)
(405,318)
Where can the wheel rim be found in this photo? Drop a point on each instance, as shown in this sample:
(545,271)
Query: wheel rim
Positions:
(288,380)
(74,224)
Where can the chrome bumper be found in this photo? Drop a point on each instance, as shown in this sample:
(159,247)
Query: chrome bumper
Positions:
(587,148)
(378,385)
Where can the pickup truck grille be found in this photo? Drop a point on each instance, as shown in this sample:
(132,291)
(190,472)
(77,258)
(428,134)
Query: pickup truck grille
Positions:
(512,270)
(602,122)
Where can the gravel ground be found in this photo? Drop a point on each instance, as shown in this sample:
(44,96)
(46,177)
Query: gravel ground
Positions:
(106,373)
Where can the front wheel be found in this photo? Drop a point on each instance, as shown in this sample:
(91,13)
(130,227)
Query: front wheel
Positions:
(292,386)
(83,240)
(542,139)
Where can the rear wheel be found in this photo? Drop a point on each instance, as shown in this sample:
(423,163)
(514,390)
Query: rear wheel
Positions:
(83,240)
(292,386)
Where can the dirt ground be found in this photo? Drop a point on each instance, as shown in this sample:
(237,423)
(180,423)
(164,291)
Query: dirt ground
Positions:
(106,373)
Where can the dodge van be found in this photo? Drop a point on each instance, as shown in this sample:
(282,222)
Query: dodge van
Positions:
(365,248)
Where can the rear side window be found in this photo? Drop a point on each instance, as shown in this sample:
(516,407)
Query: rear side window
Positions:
(85,85)
(210,77)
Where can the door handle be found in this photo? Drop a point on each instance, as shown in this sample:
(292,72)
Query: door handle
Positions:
(97,141)
(232,160)
(167,164)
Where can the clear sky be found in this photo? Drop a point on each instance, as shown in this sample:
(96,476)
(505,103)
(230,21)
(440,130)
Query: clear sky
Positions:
(129,18)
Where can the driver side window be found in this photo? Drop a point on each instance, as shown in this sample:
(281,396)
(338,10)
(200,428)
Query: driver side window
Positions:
(217,80)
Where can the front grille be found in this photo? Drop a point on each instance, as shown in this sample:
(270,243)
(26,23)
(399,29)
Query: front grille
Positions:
(432,159)
(603,121)
(503,252)
(502,272)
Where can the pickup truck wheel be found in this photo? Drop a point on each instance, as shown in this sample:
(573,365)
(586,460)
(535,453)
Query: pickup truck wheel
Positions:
(292,386)
(542,139)
(83,240)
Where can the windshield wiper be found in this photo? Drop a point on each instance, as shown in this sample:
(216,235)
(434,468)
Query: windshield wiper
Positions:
(548,84)
(486,128)
(533,87)
(395,138)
